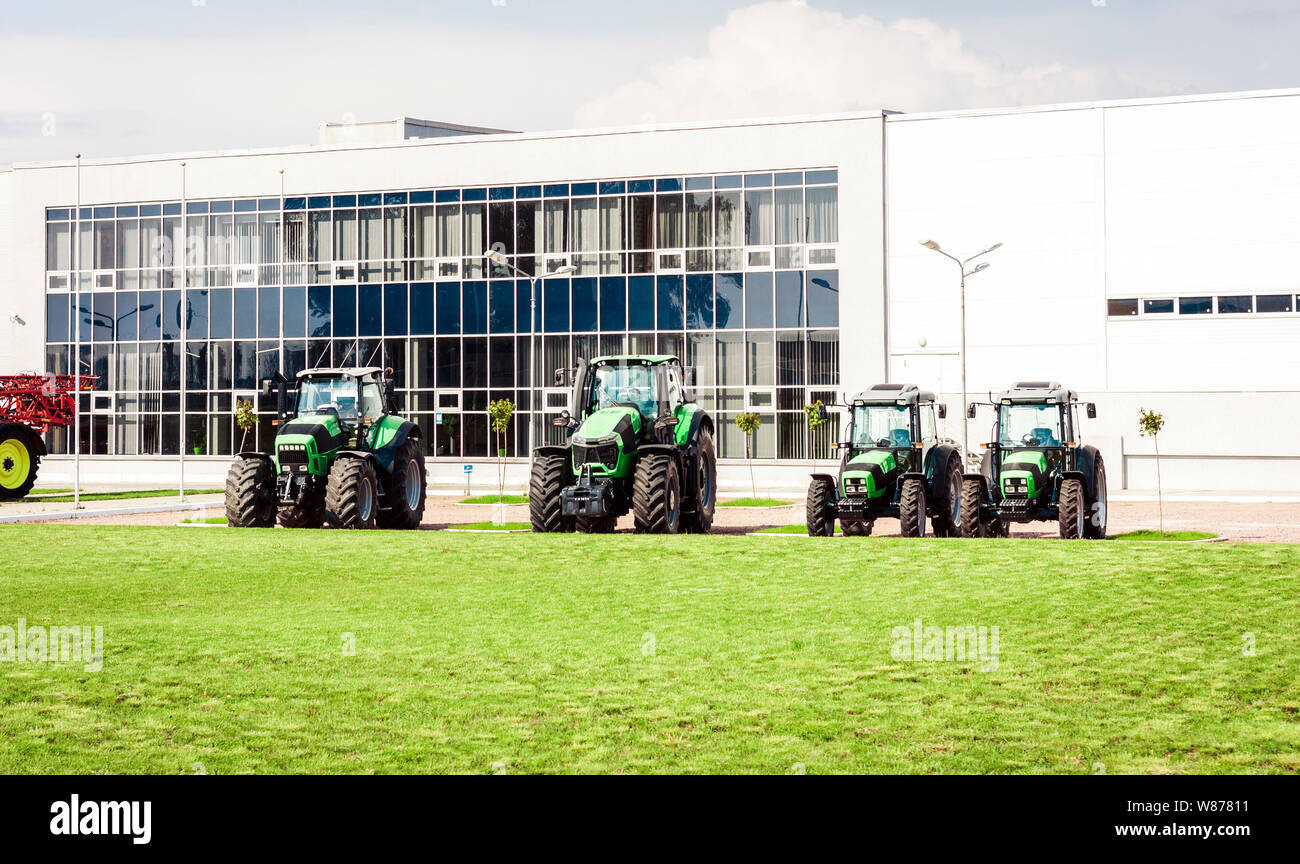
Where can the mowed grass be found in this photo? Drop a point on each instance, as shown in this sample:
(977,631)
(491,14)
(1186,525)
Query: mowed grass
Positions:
(573,653)
(493,499)
(755,502)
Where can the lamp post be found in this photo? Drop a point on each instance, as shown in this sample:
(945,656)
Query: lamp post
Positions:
(182,320)
(500,259)
(961,266)
(76,348)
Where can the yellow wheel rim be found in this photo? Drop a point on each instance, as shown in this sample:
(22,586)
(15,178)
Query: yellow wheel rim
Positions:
(15,463)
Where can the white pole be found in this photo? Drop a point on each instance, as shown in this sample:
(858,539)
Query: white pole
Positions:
(76,350)
(182,319)
(965,417)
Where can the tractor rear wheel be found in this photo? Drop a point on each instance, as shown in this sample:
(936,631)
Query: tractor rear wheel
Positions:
(1072,512)
(700,519)
(351,494)
(309,515)
(551,473)
(947,510)
(972,496)
(817,509)
(404,502)
(857,529)
(911,508)
(657,495)
(19,459)
(250,494)
(596,524)
(1096,528)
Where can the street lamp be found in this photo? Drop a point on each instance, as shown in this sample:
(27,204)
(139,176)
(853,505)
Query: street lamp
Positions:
(961,265)
(499,258)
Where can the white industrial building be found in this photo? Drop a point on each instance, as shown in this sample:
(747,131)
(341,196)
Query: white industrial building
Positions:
(1147,262)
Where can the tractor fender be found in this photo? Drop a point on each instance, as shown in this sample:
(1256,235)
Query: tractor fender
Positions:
(1086,469)
(835,485)
(35,442)
(253,454)
(550,450)
(1082,478)
(936,469)
(408,429)
(670,449)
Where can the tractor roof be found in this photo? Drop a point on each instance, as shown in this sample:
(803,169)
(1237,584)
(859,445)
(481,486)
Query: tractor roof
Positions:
(893,394)
(641,359)
(341,372)
(1037,392)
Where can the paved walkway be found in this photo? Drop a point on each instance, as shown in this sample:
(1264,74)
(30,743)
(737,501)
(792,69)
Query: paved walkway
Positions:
(1248,521)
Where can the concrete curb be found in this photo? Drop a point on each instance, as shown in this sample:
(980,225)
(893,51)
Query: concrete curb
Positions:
(62,515)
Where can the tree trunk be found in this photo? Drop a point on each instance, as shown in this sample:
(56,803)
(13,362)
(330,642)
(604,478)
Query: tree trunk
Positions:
(749,457)
(1160,500)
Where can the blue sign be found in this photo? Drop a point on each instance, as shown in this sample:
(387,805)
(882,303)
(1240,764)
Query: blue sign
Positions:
(469,469)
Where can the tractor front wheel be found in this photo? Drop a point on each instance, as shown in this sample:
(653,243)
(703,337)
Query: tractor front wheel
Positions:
(817,509)
(351,494)
(911,508)
(19,459)
(657,495)
(1072,512)
(404,501)
(250,494)
(551,473)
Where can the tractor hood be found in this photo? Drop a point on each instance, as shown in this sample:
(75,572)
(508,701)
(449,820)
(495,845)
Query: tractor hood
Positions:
(617,420)
(322,430)
(1024,472)
(605,440)
(871,473)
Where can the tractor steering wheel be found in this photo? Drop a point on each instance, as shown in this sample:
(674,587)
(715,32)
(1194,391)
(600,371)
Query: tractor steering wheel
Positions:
(884,442)
(1029,440)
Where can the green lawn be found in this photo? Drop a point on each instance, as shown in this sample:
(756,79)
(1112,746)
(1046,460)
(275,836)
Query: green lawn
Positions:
(492,499)
(1168,535)
(754,502)
(42,497)
(791,529)
(624,653)
(488,526)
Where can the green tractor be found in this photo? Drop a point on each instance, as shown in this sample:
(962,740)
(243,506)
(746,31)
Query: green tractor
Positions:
(894,464)
(636,443)
(343,459)
(1034,468)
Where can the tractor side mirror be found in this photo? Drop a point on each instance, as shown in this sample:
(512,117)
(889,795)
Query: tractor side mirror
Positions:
(1092,410)
(689,376)
(268,387)
(970,411)
(565,419)
(560,375)
(943,411)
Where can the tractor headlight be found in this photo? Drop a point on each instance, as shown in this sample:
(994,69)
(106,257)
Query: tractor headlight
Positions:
(601,451)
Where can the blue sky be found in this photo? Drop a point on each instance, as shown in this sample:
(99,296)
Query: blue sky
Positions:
(166,75)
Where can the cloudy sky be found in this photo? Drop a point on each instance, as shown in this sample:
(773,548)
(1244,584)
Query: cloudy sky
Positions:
(151,76)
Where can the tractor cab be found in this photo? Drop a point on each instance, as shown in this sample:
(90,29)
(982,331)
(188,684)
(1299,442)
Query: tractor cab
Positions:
(351,397)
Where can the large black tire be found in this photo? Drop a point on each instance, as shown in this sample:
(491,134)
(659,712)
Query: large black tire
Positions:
(404,500)
(947,506)
(1072,510)
(351,494)
(1096,527)
(857,529)
(972,496)
(911,508)
(657,495)
(596,524)
(20,458)
(700,519)
(250,494)
(817,509)
(309,515)
(551,473)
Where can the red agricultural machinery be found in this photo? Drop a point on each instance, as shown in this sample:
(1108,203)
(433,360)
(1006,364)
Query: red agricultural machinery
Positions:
(30,405)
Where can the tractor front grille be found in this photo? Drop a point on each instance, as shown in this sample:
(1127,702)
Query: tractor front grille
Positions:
(1015,503)
(292,456)
(603,452)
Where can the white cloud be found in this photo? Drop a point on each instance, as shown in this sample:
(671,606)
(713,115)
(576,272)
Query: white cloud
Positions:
(789,58)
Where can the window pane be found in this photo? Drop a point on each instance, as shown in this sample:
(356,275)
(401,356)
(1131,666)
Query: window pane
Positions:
(555,305)
(474,307)
(641,303)
(128,243)
(58,246)
(758,300)
(641,223)
(823,298)
(448,374)
(669,234)
(345,311)
(370,235)
(448,303)
(586,225)
(370,314)
(613,304)
(1236,304)
(557,226)
(758,217)
(759,367)
(584,305)
(790,362)
(823,215)
(268,238)
(1273,303)
(395,234)
(1194,306)
(670,303)
(501,228)
(611,224)
(449,231)
(422,309)
(730,297)
(699,219)
(699,302)
(789,216)
(789,299)
(501,308)
(1149,307)
(1122,307)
